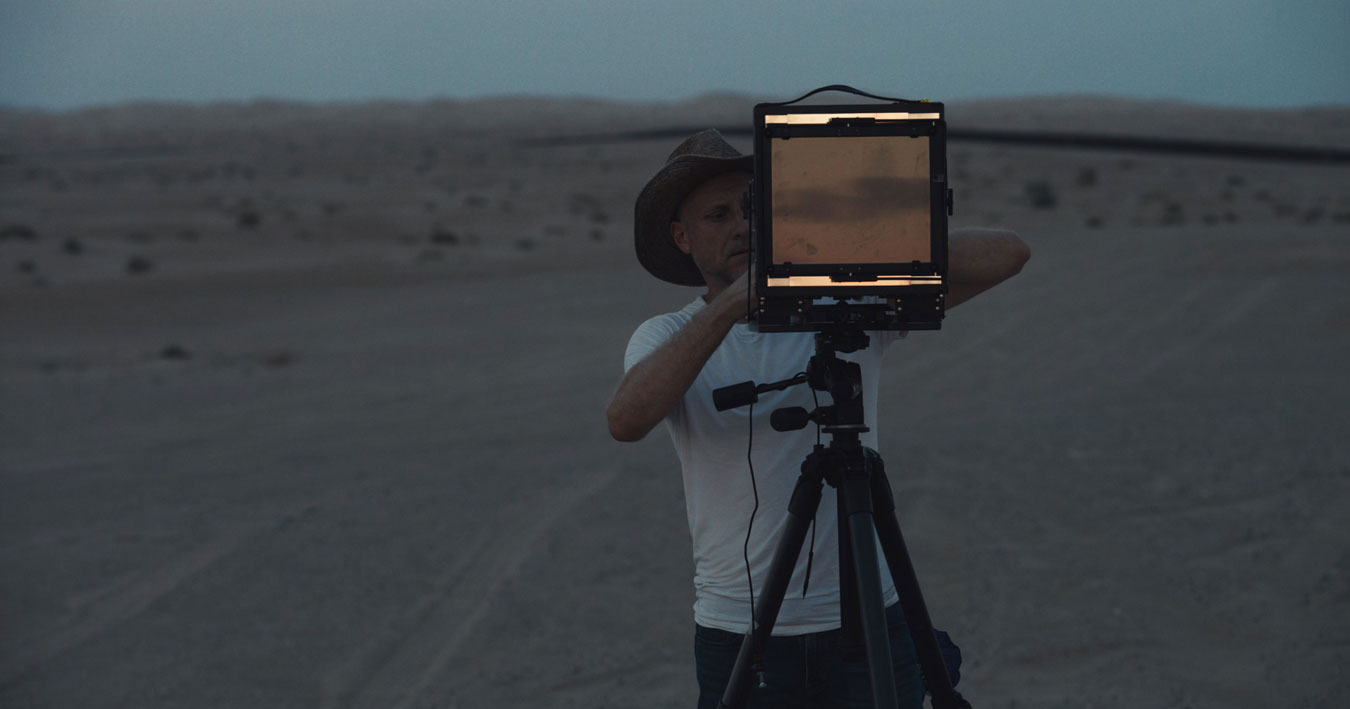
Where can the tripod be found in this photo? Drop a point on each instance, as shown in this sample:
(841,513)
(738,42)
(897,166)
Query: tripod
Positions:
(866,507)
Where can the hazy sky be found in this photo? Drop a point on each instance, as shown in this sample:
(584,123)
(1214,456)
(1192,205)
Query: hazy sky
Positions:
(69,53)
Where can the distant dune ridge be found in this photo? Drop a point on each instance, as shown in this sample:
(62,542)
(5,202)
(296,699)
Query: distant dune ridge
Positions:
(303,406)
(171,189)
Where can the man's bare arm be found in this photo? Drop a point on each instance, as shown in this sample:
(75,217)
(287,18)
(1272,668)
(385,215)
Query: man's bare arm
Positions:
(653,386)
(979,259)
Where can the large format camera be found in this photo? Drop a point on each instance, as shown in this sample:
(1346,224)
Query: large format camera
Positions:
(848,211)
(848,216)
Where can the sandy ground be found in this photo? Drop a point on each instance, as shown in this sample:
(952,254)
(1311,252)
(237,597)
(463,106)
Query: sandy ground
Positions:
(303,407)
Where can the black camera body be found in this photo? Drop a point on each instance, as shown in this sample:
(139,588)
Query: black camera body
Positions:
(848,213)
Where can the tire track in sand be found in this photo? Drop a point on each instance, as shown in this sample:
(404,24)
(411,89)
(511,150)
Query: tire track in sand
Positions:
(394,672)
(126,598)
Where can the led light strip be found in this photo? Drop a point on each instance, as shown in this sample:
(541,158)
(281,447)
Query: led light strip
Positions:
(881,281)
(823,118)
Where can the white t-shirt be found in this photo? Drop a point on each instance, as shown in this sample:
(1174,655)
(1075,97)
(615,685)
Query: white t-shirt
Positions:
(712,446)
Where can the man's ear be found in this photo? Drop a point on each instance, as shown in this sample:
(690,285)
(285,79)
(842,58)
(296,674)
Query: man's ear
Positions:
(678,235)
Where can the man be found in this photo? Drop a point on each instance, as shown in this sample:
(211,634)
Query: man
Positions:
(690,230)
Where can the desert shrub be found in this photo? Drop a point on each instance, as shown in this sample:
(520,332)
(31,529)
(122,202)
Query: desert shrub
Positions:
(137,265)
(18,232)
(1041,194)
(175,352)
(1173,214)
(440,235)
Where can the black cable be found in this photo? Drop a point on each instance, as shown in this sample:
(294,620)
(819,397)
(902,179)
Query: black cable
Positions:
(811,552)
(816,400)
(754,489)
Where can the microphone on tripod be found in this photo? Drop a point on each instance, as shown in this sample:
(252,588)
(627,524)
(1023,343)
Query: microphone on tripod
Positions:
(789,419)
(736,395)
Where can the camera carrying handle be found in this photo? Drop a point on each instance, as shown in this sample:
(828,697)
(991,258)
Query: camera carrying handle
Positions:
(836,87)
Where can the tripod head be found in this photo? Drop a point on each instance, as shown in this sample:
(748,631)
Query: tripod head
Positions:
(825,372)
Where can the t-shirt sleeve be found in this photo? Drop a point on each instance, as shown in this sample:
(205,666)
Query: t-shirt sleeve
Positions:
(649,336)
(883,339)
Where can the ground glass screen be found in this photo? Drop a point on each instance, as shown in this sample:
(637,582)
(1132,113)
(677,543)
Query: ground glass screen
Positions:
(850,200)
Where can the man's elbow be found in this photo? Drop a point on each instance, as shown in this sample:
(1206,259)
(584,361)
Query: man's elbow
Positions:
(625,435)
(1021,252)
(621,429)
(1011,253)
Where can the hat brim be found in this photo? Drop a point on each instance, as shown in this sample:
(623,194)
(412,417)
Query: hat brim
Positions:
(655,210)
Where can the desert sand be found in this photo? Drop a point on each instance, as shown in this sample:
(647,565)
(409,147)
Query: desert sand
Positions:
(302,406)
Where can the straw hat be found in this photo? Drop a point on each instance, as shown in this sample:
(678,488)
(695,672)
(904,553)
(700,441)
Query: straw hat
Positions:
(699,158)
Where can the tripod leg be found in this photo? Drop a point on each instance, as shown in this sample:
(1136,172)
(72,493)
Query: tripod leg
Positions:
(802,508)
(856,505)
(852,645)
(911,598)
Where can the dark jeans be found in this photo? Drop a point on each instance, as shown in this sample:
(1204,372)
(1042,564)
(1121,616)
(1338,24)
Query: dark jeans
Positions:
(806,671)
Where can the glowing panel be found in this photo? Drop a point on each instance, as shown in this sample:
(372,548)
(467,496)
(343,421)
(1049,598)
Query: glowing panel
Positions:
(850,200)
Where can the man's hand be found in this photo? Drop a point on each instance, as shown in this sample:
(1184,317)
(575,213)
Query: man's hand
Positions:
(737,298)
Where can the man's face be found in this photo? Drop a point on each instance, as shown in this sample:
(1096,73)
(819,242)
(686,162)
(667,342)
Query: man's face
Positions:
(713,230)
